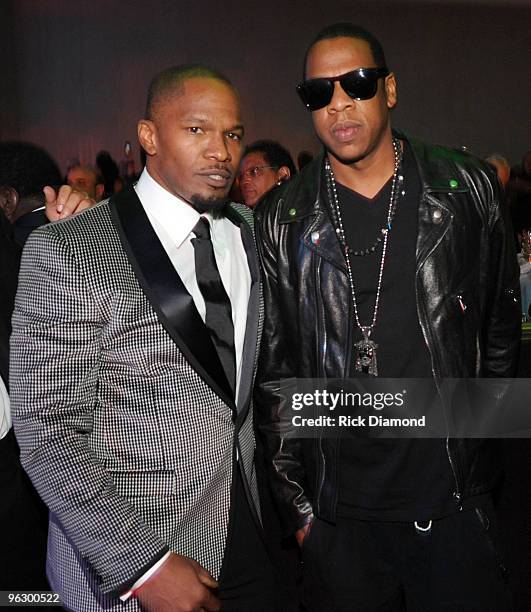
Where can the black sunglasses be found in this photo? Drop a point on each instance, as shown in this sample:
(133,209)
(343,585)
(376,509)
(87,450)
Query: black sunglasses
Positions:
(360,84)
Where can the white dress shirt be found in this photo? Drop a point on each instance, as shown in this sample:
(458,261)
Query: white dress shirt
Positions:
(5,412)
(173,221)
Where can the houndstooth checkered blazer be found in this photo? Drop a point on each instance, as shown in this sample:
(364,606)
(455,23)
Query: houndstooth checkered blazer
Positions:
(123,421)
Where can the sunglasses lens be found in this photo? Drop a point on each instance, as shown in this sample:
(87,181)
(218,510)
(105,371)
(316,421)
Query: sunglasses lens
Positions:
(360,87)
(360,84)
(316,93)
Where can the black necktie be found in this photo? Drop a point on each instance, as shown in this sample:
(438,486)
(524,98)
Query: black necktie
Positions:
(218,309)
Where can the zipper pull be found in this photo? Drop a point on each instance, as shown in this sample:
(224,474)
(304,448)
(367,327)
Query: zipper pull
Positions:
(461,303)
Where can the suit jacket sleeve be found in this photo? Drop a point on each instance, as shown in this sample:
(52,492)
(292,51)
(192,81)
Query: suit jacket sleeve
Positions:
(55,359)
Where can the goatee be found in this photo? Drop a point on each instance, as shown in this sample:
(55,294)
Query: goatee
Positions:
(212,205)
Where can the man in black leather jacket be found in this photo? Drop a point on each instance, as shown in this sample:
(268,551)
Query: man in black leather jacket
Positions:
(390,256)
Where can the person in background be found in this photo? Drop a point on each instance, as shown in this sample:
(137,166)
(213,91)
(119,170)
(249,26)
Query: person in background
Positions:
(86,179)
(519,189)
(23,516)
(265,163)
(108,169)
(72,162)
(502,167)
(521,176)
(25,169)
(29,177)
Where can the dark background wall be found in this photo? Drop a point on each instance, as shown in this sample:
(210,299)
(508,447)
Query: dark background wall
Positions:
(75,73)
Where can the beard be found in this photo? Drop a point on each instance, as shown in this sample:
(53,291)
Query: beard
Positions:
(212,205)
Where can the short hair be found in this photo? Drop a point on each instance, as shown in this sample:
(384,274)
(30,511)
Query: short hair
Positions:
(27,168)
(98,177)
(273,152)
(171,80)
(349,30)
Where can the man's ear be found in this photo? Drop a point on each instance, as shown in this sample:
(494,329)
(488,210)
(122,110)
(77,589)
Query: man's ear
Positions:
(147,136)
(9,200)
(390,90)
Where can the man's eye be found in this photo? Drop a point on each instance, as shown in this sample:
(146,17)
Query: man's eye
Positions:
(195,129)
(234,136)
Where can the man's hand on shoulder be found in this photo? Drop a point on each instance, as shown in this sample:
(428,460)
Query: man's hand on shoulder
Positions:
(65,202)
(179,585)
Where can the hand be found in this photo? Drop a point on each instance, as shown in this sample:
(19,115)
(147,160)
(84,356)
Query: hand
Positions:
(66,202)
(179,585)
(302,533)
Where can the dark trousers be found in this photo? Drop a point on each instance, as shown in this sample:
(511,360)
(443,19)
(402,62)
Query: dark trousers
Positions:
(249,581)
(23,525)
(370,566)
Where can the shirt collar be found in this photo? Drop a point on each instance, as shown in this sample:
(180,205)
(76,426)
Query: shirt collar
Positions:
(169,211)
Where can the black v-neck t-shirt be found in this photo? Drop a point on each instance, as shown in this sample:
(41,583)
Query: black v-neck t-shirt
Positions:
(390,479)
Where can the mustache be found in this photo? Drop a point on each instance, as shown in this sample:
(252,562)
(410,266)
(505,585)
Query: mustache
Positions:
(224,169)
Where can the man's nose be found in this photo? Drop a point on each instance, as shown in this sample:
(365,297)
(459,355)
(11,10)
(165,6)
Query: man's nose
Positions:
(340,99)
(218,148)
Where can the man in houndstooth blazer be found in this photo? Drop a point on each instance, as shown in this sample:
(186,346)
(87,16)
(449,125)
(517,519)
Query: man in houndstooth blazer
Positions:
(126,423)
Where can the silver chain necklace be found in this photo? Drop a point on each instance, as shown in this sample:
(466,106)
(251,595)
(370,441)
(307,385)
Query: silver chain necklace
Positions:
(365,356)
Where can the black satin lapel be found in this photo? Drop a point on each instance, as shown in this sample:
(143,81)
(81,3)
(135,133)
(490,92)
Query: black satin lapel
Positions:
(166,292)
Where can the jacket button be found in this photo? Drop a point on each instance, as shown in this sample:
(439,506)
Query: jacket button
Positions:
(436,215)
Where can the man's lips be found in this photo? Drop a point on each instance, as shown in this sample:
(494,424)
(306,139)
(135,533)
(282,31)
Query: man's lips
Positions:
(344,131)
(217,177)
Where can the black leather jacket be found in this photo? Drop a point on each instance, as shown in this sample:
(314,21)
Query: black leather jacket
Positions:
(464,254)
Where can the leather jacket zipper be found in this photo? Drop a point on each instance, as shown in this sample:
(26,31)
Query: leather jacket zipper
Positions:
(457,492)
(461,302)
(431,349)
